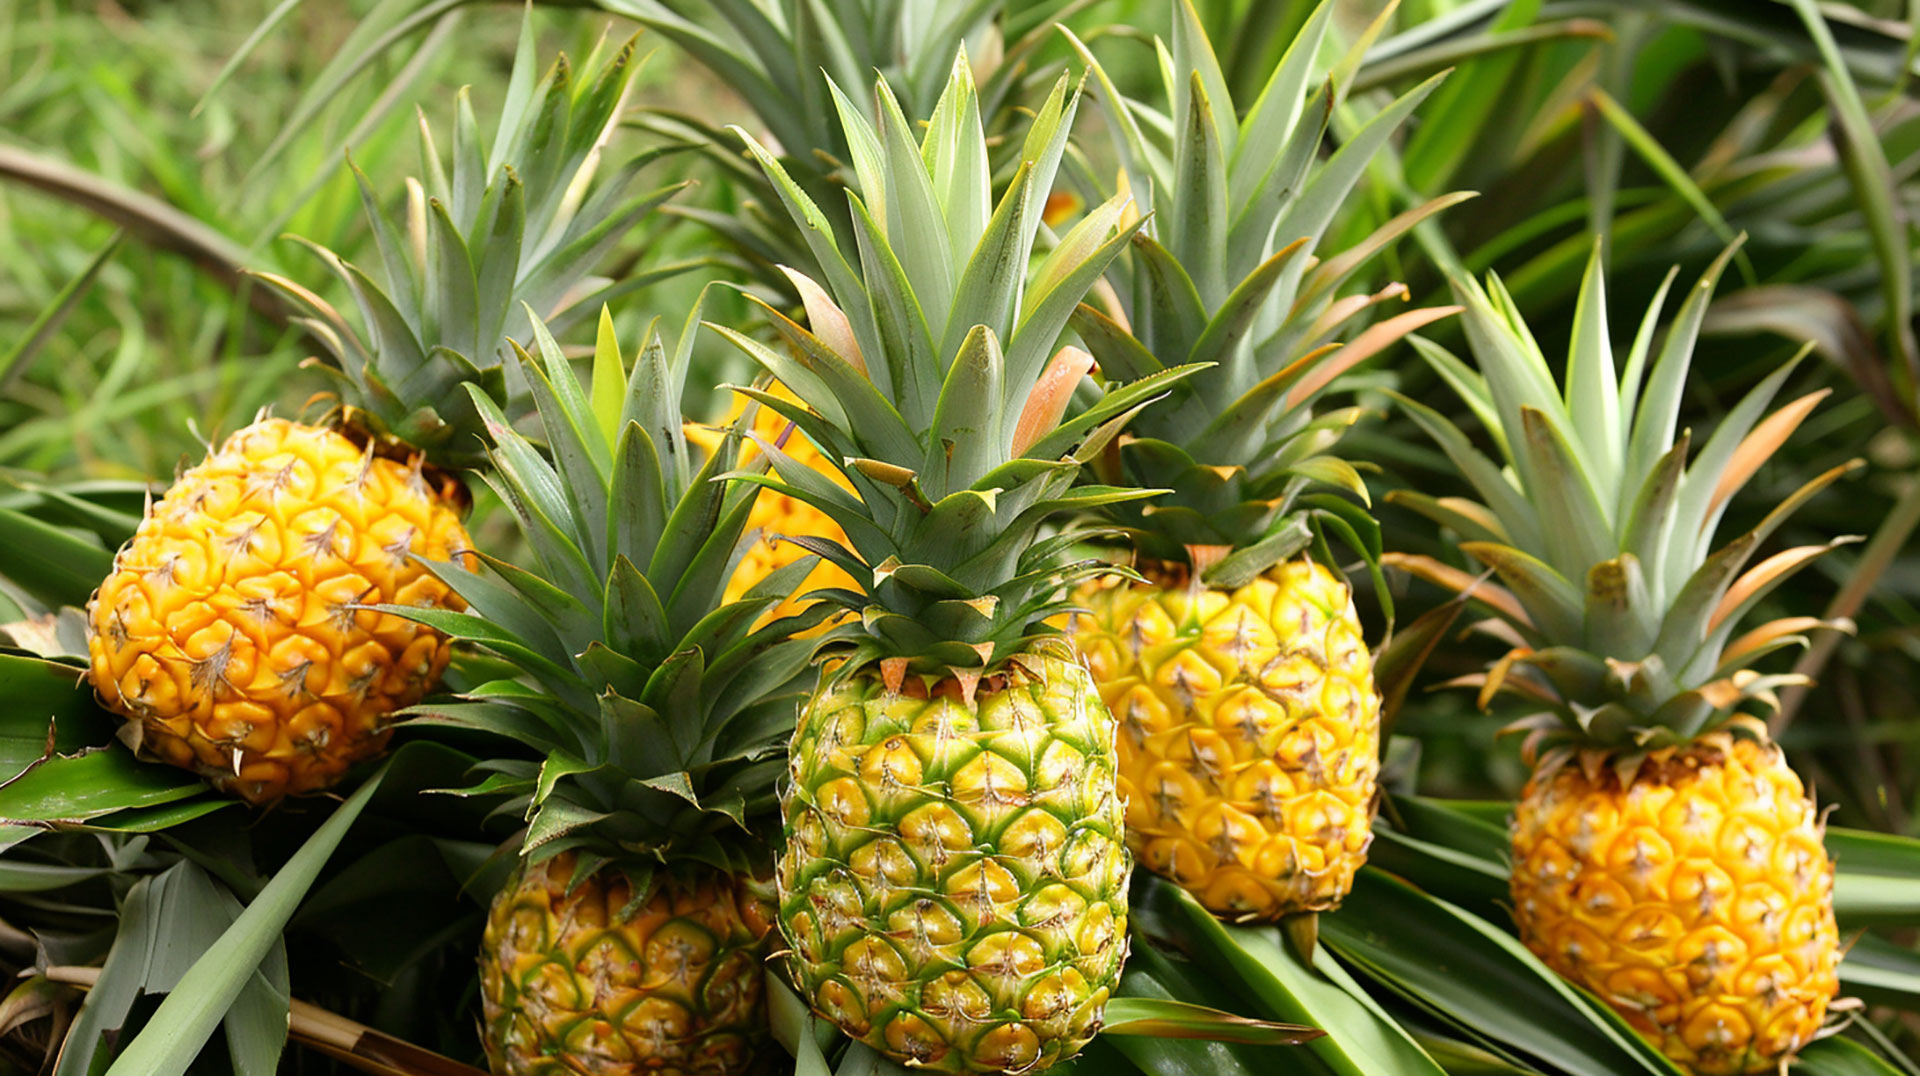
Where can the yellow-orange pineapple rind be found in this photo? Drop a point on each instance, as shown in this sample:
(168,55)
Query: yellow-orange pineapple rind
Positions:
(1249,734)
(228,632)
(1697,899)
(676,988)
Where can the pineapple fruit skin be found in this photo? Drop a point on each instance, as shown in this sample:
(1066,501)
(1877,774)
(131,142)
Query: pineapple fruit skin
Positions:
(953,883)
(225,631)
(675,987)
(1697,898)
(1249,734)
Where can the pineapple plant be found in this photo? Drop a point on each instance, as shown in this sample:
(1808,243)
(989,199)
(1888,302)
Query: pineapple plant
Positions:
(235,633)
(631,932)
(952,876)
(1231,654)
(1664,855)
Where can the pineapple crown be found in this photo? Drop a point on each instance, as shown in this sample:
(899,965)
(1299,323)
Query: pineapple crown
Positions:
(1226,275)
(926,378)
(660,713)
(771,52)
(515,226)
(1619,610)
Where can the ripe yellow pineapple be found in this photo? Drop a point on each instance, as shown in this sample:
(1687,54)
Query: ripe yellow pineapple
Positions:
(1250,726)
(1249,733)
(1664,855)
(1692,890)
(574,979)
(232,629)
(232,634)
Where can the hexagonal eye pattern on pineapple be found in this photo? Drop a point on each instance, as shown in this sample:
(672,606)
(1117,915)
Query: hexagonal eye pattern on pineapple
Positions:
(232,632)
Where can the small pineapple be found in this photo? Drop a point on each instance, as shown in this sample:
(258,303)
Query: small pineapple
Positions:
(1234,661)
(234,634)
(577,976)
(1664,855)
(632,934)
(953,878)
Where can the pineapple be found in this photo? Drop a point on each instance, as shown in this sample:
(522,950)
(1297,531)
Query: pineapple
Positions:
(1232,657)
(1665,856)
(1249,733)
(952,880)
(234,634)
(632,933)
(577,976)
